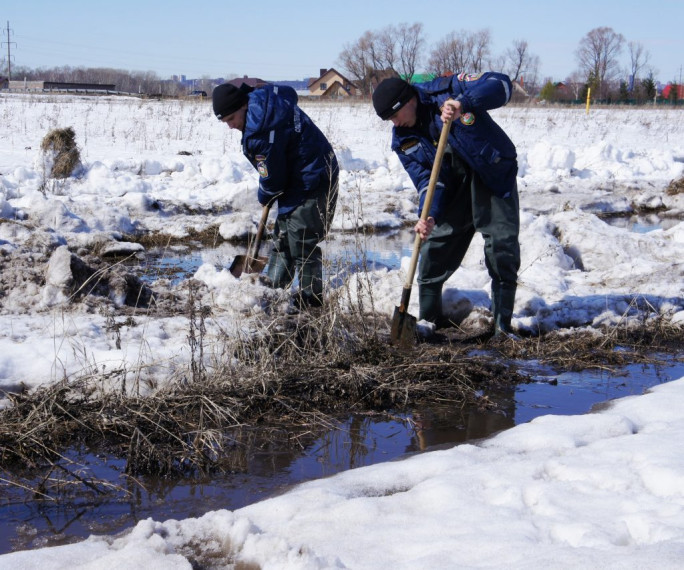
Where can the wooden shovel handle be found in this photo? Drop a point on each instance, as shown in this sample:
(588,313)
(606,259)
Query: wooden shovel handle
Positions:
(434,176)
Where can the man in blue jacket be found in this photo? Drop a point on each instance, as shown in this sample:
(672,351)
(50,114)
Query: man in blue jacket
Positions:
(476,190)
(297,167)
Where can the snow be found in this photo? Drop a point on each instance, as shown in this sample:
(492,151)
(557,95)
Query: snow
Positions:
(603,489)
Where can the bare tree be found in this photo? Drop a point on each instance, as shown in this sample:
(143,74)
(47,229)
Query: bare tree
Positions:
(499,64)
(386,48)
(392,49)
(520,62)
(598,54)
(460,51)
(358,59)
(441,57)
(481,42)
(639,57)
(520,65)
(576,82)
(410,42)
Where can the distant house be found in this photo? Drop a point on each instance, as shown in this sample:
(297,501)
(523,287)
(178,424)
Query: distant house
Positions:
(250,81)
(332,84)
(671,91)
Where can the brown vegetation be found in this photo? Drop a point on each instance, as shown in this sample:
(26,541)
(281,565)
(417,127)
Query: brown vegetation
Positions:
(675,187)
(61,145)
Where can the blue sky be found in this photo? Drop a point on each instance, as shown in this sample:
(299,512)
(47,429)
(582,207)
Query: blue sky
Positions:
(281,40)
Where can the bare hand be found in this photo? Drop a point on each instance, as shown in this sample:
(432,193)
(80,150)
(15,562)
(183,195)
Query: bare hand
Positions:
(451,110)
(424,227)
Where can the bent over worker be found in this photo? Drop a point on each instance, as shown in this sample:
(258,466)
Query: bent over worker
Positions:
(297,167)
(476,189)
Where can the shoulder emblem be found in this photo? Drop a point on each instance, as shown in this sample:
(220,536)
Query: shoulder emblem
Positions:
(469,76)
(467,119)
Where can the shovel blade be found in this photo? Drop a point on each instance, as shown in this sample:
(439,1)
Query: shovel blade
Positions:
(403,328)
(246,264)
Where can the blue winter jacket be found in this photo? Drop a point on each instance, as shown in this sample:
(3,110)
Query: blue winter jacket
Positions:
(475,137)
(291,154)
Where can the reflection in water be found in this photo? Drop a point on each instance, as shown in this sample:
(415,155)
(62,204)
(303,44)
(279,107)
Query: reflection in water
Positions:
(436,427)
(641,223)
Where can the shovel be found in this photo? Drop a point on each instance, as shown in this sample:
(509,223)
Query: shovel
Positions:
(252,263)
(403,330)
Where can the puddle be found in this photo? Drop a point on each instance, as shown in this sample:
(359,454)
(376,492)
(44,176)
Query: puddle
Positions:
(641,223)
(267,470)
(341,252)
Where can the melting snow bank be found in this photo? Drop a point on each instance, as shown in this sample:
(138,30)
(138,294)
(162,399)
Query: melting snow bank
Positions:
(599,490)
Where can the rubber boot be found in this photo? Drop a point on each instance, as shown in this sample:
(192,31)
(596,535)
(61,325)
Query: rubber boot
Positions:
(503,301)
(430,300)
(311,284)
(280,270)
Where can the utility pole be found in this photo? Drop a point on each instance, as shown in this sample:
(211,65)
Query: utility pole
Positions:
(9,51)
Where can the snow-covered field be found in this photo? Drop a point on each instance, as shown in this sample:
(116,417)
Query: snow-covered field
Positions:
(605,489)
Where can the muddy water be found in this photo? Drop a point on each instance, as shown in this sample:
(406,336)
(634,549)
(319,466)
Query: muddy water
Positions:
(267,469)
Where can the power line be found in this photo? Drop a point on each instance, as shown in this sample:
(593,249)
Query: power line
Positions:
(9,43)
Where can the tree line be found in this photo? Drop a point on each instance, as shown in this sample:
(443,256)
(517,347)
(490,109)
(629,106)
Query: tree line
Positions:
(402,50)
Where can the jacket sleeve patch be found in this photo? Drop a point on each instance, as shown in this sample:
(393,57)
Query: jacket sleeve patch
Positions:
(467,119)
(261,165)
(469,76)
(409,146)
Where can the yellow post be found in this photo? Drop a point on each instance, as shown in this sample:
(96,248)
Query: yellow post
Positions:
(588,98)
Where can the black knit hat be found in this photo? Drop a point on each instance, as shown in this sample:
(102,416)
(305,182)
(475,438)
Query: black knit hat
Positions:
(227,98)
(390,96)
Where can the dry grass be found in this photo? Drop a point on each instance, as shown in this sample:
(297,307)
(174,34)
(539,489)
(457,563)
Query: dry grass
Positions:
(585,350)
(61,143)
(675,187)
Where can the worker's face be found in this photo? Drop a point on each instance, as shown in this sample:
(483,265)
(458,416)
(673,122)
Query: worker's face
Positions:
(406,116)
(236,120)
